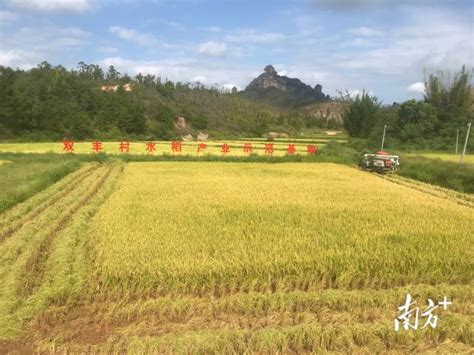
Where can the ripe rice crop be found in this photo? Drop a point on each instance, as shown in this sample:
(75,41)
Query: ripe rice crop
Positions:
(203,257)
(206,227)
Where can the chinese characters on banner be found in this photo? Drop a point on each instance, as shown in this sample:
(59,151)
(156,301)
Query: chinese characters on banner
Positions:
(312,149)
(225,148)
(150,147)
(201,147)
(291,149)
(124,147)
(68,146)
(97,146)
(248,148)
(269,149)
(177,147)
(410,316)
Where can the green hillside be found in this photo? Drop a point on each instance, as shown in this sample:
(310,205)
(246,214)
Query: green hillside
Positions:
(50,103)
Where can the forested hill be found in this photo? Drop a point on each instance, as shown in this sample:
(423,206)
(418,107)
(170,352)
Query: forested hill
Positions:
(51,102)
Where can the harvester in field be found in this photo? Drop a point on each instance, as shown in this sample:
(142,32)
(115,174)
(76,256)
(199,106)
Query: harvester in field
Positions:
(380,162)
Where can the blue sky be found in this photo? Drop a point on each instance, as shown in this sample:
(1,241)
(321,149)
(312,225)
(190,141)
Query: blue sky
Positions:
(382,46)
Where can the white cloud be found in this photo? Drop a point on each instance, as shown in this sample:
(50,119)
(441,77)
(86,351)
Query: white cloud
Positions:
(386,63)
(214,29)
(251,36)
(47,38)
(307,25)
(74,6)
(200,78)
(319,76)
(366,31)
(434,40)
(17,58)
(361,42)
(107,49)
(418,87)
(130,34)
(358,43)
(28,46)
(7,17)
(317,47)
(174,25)
(215,49)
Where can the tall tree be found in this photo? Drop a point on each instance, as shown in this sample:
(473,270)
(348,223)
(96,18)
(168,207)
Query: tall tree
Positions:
(361,114)
(451,98)
(112,73)
(416,121)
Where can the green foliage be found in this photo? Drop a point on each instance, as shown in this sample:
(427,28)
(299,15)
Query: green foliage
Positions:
(23,175)
(211,110)
(200,122)
(276,97)
(452,99)
(335,152)
(416,120)
(428,124)
(52,103)
(162,123)
(66,104)
(361,114)
(439,172)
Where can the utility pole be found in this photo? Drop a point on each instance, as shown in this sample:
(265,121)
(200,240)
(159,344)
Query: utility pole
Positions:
(383,137)
(465,142)
(457,141)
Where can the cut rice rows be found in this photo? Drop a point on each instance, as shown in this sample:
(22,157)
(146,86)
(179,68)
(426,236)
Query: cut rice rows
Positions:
(233,257)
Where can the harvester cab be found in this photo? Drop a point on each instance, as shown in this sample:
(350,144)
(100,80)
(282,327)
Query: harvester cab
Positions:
(380,162)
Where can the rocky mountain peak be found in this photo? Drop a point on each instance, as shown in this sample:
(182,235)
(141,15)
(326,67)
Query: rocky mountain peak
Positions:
(269,69)
(282,90)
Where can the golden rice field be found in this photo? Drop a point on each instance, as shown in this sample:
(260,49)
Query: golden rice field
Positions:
(198,257)
(236,148)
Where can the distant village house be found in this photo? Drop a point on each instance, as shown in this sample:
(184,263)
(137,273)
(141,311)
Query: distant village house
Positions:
(126,87)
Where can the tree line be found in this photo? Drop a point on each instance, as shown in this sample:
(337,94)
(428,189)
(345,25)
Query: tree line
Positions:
(52,103)
(431,123)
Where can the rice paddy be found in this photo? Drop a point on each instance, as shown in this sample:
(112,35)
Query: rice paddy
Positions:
(206,257)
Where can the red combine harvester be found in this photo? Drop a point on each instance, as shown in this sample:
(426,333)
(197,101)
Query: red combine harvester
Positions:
(380,162)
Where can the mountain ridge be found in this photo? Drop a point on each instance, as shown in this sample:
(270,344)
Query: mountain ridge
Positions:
(281,90)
